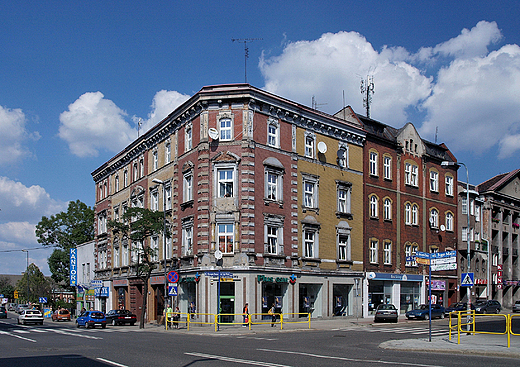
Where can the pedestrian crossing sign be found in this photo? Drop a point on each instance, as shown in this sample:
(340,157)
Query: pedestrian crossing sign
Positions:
(467,280)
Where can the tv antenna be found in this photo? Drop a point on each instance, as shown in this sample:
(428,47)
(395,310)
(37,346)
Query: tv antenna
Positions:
(315,105)
(139,123)
(367,86)
(246,50)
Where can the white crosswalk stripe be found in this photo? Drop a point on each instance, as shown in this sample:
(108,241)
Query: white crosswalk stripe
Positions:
(399,330)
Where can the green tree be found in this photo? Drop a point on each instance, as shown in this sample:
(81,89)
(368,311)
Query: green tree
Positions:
(6,288)
(137,225)
(64,231)
(34,282)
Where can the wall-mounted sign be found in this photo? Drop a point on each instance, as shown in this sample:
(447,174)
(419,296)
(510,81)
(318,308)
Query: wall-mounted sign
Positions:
(73,267)
(263,278)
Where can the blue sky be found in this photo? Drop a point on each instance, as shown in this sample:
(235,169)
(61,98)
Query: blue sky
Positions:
(77,76)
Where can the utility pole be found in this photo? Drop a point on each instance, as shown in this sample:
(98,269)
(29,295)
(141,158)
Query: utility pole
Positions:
(367,86)
(246,51)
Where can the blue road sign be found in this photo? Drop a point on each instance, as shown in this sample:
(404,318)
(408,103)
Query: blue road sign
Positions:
(43,299)
(172,290)
(173,277)
(467,280)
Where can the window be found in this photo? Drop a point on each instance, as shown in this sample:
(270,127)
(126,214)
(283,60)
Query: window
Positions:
(117,183)
(472,207)
(225,129)
(410,250)
(225,237)
(309,146)
(168,247)
(154,245)
(188,187)
(273,185)
(168,195)
(343,155)
(373,251)
(310,191)
(272,134)
(449,185)
(188,137)
(135,172)
(434,218)
(408,214)
(344,194)
(141,168)
(373,163)
(154,200)
(102,223)
(373,206)
(415,215)
(272,240)
(387,209)
(415,175)
(344,248)
(167,153)
(187,239)
(464,234)
(387,168)
(434,181)
(125,254)
(155,160)
(411,172)
(477,213)
(449,221)
(273,234)
(225,182)
(387,252)
(309,243)
(464,203)
(125,178)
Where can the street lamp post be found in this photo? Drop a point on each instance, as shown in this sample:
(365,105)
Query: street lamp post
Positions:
(468,289)
(27,273)
(160,182)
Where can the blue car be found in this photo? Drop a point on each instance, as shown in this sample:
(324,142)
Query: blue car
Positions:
(423,313)
(91,319)
(457,306)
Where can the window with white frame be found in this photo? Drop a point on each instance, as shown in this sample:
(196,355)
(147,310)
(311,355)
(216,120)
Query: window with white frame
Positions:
(464,205)
(410,250)
(310,242)
(477,213)
(117,251)
(226,129)
(387,209)
(310,140)
(188,138)
(117,183)
(188,186)
(449,221)
(273,138)
(408,213)
(154,245)
(273,234)
(273,183)
(415,175)
(310,191)
(373,251)
(472,207)
(434,181)
(373,206)
(434,218)
(168,194)
(155,160)
(344,248)
(411,174)
(343,160)
(415,215)
(373,163)
(167,152)
(187,238)
(135,172)
(125,178)
(387,252)
(387,168)
(102,223)
(464,234)
(225,237)
(168,247)
(116,214)
(449,185)
(125,254)
(154,199)
(344,191)
(138,201)
(225,182)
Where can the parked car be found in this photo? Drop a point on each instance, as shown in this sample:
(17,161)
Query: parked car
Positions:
(456,306)
(386,312)
(121,317)
(30,317)
(91,319)
(489,306)
(11,307)
(423,312)
(22,306)
(3,312)
(516,306)
(61,315)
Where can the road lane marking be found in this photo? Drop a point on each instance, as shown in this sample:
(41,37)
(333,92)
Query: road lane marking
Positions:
(348,359)
(57,331)
(256,338)
(17,336)
(111,362)
(236,360)
(21,331)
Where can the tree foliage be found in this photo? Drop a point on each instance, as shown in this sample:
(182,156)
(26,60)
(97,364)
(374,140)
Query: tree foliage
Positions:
(64,231)
(136,225)
(33,285)
(6,288)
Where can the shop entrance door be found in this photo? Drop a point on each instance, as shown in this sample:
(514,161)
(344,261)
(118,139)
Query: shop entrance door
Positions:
(227,301)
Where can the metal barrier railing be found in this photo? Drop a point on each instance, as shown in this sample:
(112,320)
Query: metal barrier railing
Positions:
(471,326)
(176,318)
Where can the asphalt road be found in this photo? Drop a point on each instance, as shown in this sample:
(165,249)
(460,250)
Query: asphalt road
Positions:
(62,344)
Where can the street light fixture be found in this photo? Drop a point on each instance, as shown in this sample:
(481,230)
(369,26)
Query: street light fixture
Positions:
(160,182)
(468,289)
(27,274)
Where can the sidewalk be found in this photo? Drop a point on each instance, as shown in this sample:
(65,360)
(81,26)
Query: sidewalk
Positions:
(480,344)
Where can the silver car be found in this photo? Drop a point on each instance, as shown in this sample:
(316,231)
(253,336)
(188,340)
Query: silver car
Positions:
(516,306)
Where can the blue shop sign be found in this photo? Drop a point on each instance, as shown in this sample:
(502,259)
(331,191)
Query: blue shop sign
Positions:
(101,292)
(398,277)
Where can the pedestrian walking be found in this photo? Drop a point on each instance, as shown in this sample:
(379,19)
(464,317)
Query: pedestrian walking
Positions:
(176,317)
(245,315)
(273,315)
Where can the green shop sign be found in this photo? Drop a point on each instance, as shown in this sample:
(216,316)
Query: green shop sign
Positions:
(263,278)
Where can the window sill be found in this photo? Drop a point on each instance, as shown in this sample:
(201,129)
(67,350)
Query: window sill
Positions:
(346,262)
(187,204)
(348,216)
(305,209)
(276,202)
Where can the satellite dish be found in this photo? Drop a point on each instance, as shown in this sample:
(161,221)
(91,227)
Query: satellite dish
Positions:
(443,227)
(322,147)
(213,133)
(218,254)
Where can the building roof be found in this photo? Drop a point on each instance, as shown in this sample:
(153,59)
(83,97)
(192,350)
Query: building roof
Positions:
(495,183)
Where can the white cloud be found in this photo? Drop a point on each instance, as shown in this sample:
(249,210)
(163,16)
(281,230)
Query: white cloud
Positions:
(164,102)
(13,134)
(337,62)
(21,233)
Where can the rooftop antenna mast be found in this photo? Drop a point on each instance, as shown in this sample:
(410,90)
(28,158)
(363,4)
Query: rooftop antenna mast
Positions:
(436,133)
(139,123)
(367,86)
(315,104)
(246,50)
